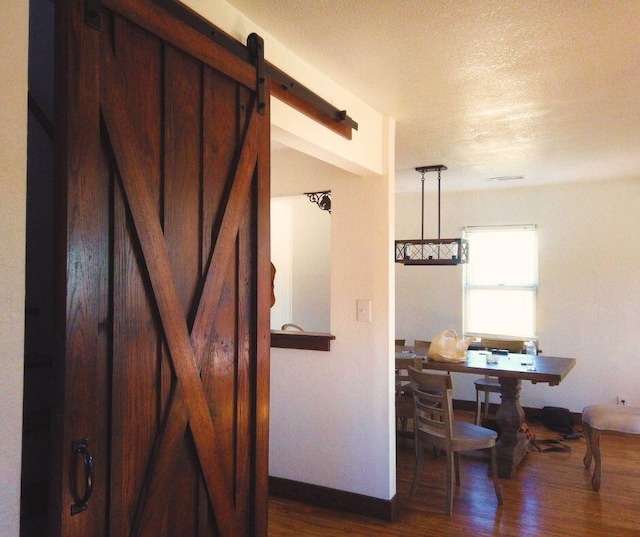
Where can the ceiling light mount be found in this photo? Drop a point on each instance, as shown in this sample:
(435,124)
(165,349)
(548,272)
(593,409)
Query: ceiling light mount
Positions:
(431,251)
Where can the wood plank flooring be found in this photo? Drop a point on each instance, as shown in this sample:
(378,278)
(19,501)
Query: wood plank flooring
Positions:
(551,495)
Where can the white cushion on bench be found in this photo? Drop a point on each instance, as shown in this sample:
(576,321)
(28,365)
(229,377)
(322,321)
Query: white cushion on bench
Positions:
(622,419)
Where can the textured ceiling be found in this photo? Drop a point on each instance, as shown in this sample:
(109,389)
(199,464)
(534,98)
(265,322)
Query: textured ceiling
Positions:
(549,90)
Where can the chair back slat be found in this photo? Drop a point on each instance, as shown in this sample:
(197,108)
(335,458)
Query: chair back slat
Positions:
(404,397)
(511,345)
(432,403)
(402,368)
(403,385)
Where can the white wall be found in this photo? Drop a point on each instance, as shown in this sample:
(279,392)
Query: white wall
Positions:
(319,399)
(13,155)
(281,257)
(311,265)
(302,241)
(589,289)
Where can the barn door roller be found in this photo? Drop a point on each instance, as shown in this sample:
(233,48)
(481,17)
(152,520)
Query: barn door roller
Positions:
(92,13)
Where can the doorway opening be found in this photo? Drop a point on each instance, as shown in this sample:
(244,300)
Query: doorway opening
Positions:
(39,343)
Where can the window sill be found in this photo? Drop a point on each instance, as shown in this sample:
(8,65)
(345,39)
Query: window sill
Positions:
(313,341)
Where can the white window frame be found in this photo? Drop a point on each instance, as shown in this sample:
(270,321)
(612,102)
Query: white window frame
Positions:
(529,286)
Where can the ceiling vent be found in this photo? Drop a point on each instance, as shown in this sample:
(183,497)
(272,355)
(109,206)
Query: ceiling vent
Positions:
(507,178)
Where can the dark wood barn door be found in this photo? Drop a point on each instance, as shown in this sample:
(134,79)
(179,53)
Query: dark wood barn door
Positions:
(164,279)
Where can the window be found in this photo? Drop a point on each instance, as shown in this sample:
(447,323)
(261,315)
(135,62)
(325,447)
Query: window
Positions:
(501,281)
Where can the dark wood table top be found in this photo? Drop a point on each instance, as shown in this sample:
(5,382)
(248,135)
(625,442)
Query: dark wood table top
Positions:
(547,369)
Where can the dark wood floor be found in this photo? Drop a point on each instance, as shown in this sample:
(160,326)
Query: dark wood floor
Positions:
(550,496)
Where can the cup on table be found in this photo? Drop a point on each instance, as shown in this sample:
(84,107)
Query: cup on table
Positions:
(530,353)
(490,357)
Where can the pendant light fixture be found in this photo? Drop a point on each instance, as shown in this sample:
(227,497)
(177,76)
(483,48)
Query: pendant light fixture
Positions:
(432,251)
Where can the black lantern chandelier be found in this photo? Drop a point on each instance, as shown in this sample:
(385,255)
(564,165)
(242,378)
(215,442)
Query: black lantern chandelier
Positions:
(432,251)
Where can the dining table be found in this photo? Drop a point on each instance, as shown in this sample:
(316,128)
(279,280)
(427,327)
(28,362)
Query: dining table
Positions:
(510,369)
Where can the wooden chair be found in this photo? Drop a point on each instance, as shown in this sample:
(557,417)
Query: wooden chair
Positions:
(422,344)
(400,342)
(489,384)
(404,395)
(435,426)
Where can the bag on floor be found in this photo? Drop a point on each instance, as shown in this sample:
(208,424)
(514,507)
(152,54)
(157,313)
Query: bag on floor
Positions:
(557,419)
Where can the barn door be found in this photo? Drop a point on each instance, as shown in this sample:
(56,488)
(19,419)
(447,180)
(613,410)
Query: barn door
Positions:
(164,277)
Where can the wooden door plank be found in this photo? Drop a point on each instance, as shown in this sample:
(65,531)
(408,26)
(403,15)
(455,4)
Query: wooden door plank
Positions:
(244,400)
(225,244)
(224,118)
(220,139)
(135,405)
(182,172)
(262,343)
(131,160)
(181,212)
(151,510)
(156,20)
(81,275)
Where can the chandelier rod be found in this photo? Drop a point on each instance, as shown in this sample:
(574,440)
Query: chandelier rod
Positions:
(438,203)
(423,170)
(422,230)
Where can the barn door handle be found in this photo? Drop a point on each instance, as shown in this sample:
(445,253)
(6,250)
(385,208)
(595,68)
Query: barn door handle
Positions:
(82,447)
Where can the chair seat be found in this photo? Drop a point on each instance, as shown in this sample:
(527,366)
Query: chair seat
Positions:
(468,436)
(488,384)
(603,418)
(464,432)
(618,418)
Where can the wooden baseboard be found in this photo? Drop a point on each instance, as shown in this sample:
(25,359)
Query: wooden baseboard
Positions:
(529,412)
(337,500)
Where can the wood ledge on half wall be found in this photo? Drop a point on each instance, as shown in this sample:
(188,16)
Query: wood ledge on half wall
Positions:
(312,341)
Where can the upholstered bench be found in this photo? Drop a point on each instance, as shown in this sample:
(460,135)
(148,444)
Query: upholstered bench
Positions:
(599,418)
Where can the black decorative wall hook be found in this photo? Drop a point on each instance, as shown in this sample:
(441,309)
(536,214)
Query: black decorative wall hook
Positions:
(322,199)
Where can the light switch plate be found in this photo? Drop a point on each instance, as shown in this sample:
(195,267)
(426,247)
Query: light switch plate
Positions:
(363,310)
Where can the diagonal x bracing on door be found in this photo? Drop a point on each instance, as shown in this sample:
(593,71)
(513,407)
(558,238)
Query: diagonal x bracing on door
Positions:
(188,404)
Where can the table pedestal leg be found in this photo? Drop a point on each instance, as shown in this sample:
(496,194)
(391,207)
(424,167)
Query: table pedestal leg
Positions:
(512,445)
